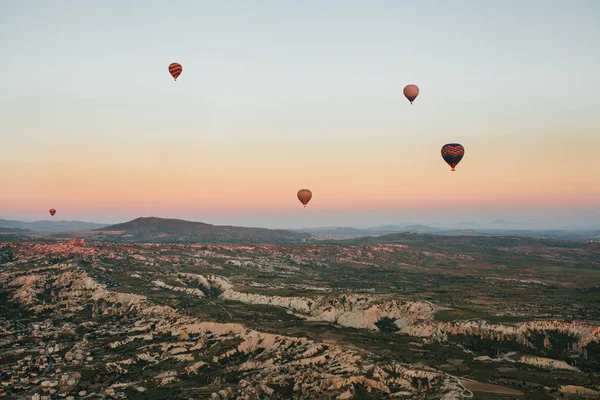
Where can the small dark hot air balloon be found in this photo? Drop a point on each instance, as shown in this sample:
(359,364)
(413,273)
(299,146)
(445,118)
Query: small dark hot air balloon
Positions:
(411,92)
(452,153)
(304,195)
(52,211)
(175,70)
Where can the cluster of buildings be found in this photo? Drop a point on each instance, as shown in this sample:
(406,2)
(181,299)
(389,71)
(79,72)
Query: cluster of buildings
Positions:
(36,370)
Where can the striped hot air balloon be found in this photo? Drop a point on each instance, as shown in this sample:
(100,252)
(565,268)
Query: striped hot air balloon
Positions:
(175,70)
(452,153)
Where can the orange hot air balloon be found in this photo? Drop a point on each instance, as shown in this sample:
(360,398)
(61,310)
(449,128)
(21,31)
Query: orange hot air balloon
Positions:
(411,92)
(452,153)
(304,195)
(52,211)
(175,70)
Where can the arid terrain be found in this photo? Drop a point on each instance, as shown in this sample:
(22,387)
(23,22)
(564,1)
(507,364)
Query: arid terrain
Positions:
(400,316)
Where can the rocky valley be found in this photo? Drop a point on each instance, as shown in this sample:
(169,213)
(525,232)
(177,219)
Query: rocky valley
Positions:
(409,317)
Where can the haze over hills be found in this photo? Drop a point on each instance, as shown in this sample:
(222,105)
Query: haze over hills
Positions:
(50,226)
(165,230)
(466,242)
(152,229)
(495,228)
(13,230)
(381,230)
(417,227)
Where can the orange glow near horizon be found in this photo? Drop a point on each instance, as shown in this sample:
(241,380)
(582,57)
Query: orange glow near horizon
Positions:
(341,182)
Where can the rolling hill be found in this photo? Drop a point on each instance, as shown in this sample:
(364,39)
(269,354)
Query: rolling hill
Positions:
(161,230)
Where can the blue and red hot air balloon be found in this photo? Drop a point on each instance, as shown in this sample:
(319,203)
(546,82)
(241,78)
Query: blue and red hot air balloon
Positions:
(452,153)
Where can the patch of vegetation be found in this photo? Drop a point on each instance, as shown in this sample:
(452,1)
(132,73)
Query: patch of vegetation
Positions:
(386,324)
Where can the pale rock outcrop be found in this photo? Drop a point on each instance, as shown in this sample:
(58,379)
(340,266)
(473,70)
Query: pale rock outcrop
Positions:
(293,303)
(580,391)
(358,311)
(147,357)
(192,291)
(546,363)
(582,333)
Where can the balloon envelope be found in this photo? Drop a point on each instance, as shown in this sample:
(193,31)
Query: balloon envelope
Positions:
(411,92)
(304,195)
(175,70)
(52,211)
(452,153)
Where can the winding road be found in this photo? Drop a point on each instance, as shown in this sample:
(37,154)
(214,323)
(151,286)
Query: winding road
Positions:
(223,308)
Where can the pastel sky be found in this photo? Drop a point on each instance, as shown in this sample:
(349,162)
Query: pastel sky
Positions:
(276,96)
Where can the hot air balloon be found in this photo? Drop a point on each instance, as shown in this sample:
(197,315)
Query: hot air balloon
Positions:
(452,153)
(411,92)
(175,70)
(52,211)
(304,195)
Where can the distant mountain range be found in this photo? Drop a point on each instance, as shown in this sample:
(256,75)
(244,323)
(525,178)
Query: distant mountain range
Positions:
(49,226)
(495,228)
(13,230)
(160,230)
(414,227)
(374,231)
(475,243)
